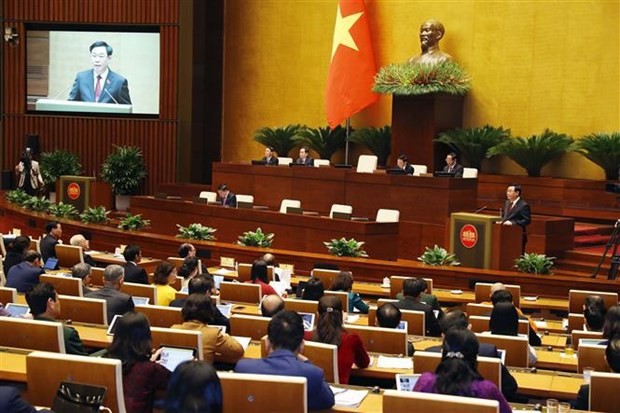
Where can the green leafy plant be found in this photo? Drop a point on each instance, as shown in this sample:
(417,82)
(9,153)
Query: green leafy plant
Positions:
(56,164)
(438,256)
(124,169)
(196,231)
(38,204)
(346,248)
(17,196)
(323,140)
(473,144)
(422,79)
(534,152)
(95,215)
(603,149)
(133,222)
(256,238)
(62,210)
(533,263)
(377,140)
(280,139)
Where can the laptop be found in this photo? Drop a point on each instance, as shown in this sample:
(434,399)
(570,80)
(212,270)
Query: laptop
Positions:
(258,162)
(112,326)
(395,171)
(341,215)
(51,264)
(140,300)
(406,382)
(403,326)
(443,174)
(17,310)
(170,357)
(308,321)
(294,210)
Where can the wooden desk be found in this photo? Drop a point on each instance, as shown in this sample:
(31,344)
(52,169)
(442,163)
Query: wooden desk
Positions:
(13,365)
(149,264)
(545,383)
(555,360)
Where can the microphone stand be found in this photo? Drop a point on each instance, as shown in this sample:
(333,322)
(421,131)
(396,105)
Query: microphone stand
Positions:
(614,241)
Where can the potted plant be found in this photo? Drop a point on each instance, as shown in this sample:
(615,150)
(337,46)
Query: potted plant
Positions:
(124,170)
(603,149)
(473,144)
(56,164)
(95,215)
(37,204)
(324,141)
(62,210)
(438,256)
(376,140)
(346,248)
(421,79)
(17,196)
(196,231)
(133,222)
(533,263)
(534,152)
(280,139)
(256,238)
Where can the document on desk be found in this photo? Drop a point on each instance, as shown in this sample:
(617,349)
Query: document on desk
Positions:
(223,271)
(385,362)
(244,341)
(348,397)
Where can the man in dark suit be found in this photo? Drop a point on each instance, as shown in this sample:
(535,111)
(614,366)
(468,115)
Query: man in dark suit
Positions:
(304,157)
(403,163)
(25,275)
(285,335)
(83,272)
(389,316)
(269,157)
(202,284)
(117,302)
(458,319)
(412,290)
(227,198)
(11,401)
(100,84)
(516,211)
(453,166)
(53,229)
(133,272)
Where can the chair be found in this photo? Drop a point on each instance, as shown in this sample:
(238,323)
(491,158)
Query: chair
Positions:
(177,338)
(69,255)
(343,209)
(577,298)
(32,334)
(45,372)
(96,276)
(604,394)
(321,162)
(480,324)
(244,272)
(381,340)
(245,201)
(366,164)
(327,277)
(419,169)
(577,335)
(388,215)
(249,325)
(401,401)
(293,203)
(517,350)
(483,293)
(489,367)
(470,173)
(255,393)
(478,309)
(35,244)
(301,306)
(160,316)
(416,323)
(576,321)
(591,355)
(240,292)
(396,285)
(284,161)
(83,310)
(343,296)
(140,290)
(8,295)
(209,196)
(64,285)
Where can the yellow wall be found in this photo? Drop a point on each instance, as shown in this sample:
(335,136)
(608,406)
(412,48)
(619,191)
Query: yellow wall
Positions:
(534,64)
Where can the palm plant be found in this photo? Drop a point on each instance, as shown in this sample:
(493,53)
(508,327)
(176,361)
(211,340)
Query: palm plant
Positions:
(56,164)
(376,140)
(124,169)
(323,140)
(603,149)
(534,152)
(95,215)
(280,139)
(473,143)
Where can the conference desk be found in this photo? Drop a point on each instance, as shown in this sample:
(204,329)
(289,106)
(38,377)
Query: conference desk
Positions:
(292,231)
(105,258)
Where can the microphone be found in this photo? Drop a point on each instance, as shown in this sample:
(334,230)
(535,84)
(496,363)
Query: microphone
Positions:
(106,91)
(62,91)
(480,209)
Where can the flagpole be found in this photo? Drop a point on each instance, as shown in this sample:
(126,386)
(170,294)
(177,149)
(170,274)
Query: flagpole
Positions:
(346,142)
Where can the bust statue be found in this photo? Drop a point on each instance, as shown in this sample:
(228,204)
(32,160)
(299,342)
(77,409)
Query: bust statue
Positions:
(431,32)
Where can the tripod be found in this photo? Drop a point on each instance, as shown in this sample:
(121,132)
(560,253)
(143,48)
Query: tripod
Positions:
(612,244)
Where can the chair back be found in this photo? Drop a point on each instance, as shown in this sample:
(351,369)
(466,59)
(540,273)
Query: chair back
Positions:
(396,285)
(284,161)
(64,285)
(293,203)
(240,292)
(475,309)
(517,350)
(249,325)
(401,401)
(343,296)
(470,173)
(483,293)
(177,338)
(381,340)
(83,309)
(591,355)
(489,368)
(244,272)
(577,335)
(255,393)
(388,215)
(366,164)
(576,321)
(161,316)
(245,201)
(35,244)
(419,169)
(604,394)
(480,324)
(209,196)
(341,208)
(140,290)
(327,277)
(8,295)
(69,255)
(301,306)
(45,372)
(321,162)
(32,334)
(96,276)
(416,320)
(577,298)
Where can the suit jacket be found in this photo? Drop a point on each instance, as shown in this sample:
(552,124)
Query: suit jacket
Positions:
(11,401)
(73,343)
(135,274)
(12,258)
(48,247)
(408,169)
(285,363)
(116,302)
(23,276)
(84,88)
(519,215)
(271,161)
(216,346)
(230,200)
(583,398)
(457,170)
(430,321)
(308,162)
(36,180)
(219,319)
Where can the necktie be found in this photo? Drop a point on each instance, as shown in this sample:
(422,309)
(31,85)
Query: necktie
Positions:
(98,88)
(512,205)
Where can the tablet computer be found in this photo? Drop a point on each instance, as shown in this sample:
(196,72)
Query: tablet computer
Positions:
(406,382)
(17,310)
(308,321)
(217,279)
(112,326)
(51,263)
(171,357)
(224,309)
(403,325)
(140,300)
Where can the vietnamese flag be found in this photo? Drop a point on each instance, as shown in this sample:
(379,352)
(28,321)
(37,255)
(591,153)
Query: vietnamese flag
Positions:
(352,68)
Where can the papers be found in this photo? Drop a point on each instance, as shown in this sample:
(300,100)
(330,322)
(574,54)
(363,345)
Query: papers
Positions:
(244,341)
(541,324)
(348,397)
(223,271)
(385,362)
(279,286)
(352,319)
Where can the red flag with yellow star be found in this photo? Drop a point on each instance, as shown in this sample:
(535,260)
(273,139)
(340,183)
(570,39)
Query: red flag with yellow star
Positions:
(352,68)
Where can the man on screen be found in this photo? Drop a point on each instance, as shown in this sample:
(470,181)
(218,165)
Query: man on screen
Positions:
(100,84)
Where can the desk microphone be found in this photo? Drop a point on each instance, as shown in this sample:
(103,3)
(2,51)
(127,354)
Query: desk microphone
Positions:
(480,209)
(62,91)
(106,91)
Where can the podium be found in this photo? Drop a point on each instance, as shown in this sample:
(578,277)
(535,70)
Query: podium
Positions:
(83,192)
(56,105)
(478,242)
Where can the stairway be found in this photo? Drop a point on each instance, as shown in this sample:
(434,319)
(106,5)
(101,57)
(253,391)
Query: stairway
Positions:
(590,242)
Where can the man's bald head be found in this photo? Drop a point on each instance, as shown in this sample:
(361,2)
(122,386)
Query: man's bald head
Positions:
(271,305)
